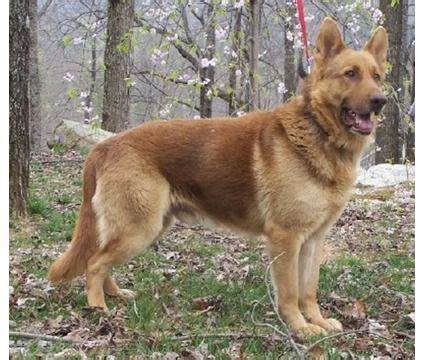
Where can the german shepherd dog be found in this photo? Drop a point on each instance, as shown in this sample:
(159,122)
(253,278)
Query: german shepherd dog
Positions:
(285,174)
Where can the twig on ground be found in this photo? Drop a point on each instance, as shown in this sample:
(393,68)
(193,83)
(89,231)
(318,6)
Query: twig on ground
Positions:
(220,335)
(333,336)
(275,307)
(404,334)
(61,161)
(257,323)
(40,336)
(286,333)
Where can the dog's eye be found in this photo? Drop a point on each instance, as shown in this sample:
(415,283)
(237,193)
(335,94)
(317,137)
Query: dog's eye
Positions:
(376,77)
(350,73)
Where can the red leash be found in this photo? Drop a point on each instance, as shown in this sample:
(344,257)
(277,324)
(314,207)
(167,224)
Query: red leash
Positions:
(303,27)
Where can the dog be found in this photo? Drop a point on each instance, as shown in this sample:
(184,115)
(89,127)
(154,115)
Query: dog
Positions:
(284,174)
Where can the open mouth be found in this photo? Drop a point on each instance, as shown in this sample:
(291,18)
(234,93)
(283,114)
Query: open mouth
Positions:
(358,123)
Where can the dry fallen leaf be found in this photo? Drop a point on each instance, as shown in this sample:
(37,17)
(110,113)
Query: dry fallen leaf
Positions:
(357,311)
(317,353)
(206,302)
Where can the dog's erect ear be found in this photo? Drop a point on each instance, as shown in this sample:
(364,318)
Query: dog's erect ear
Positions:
(378,44)
(329,42)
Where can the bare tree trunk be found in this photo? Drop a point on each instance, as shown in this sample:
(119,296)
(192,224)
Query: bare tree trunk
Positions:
(232,104)
(254,17)
(387,135)
(207,74)
(117,59)
(410,136)
(35,87)
(289,56)
(19,46)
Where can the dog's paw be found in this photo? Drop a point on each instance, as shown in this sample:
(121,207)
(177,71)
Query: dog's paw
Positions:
(311,329)
(125,294)
(331,325)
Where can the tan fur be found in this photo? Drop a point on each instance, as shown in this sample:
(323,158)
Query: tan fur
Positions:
(285,174)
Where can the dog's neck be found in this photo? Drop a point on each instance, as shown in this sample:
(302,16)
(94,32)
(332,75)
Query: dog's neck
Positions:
(325,156)
(314,121)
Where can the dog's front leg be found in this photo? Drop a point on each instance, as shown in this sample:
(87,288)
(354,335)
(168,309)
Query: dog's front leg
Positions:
(309,264)
(284,247)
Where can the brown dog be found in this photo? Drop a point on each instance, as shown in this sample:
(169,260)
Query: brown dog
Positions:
(285,174)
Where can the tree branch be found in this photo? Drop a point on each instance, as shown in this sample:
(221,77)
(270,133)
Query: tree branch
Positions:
(44,8)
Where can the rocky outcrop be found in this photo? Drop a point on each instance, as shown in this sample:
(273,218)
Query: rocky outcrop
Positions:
(386,175)
(74,135)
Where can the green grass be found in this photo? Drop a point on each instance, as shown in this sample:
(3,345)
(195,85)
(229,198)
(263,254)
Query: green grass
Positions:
(38,205)
(185,266)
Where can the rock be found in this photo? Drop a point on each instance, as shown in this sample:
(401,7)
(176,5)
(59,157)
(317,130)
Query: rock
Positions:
(74,135)
(386,175)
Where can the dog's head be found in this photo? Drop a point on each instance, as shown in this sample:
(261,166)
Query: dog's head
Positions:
(345,86)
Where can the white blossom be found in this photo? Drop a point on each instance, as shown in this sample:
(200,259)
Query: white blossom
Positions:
(220,33)
(289,35)
(229,51)
(158,55)
(239,4)
(68,77)
(78,40)
(376,16)
(165,111)
(206,81)
(282,88)
(184,77)
(204,63)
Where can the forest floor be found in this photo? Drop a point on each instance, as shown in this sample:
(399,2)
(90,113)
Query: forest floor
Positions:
(201,293)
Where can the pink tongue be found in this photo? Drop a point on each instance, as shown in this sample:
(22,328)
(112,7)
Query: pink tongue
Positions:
(363,123)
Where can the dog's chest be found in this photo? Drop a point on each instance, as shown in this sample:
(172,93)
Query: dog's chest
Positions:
(306,204)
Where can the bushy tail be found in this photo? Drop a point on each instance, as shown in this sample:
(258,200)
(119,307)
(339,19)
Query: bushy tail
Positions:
(84,241)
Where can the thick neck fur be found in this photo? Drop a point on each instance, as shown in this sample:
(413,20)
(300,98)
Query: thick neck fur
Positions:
(330,154)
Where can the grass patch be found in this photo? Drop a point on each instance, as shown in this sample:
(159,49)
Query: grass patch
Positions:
(376,268)
(382,194)
(38,205)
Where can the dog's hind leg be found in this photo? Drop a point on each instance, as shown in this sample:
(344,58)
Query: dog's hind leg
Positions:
(116,252)
(129,220)
(110,286)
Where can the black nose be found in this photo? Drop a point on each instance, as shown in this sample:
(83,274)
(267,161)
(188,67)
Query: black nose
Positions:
(377,101)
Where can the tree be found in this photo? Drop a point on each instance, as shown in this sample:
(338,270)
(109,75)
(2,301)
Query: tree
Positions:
(35,100)
(387,135)
(254,26)
(207,73)
(117,60)
(19,44)
(234,64)
(290,75)
(197,35)
(34,81)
